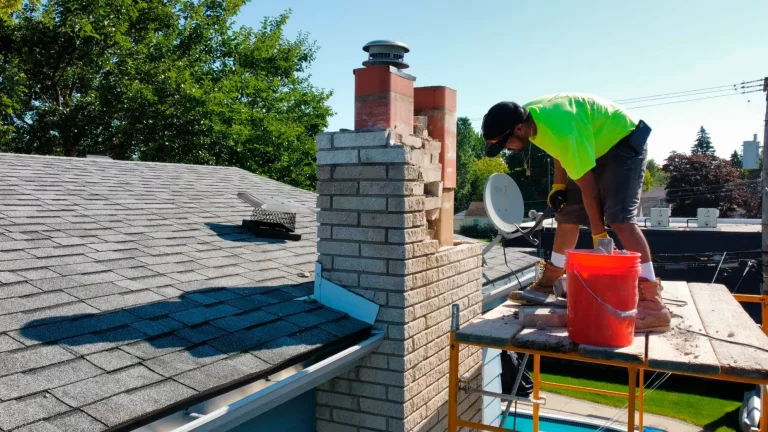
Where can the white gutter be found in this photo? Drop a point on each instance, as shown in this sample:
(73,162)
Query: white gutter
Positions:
(526,277)
(247,408)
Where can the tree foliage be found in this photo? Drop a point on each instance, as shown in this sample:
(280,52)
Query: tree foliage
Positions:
(484,168)
(658,177)
(536,186)
(647,181)
(736,160)
(703,181)
(703,144)
(470,147)
(169,81)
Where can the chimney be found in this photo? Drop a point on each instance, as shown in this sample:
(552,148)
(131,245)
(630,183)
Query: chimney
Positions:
(378,188)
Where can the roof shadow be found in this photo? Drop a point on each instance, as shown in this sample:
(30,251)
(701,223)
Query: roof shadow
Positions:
(238,233)
(208,323)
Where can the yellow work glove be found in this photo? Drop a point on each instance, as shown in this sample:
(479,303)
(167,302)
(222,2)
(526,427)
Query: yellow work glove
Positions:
(557,197)
(595,238)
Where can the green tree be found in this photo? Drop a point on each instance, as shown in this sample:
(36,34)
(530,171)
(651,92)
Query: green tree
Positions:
(736,160)
(160,80)
(647,181)
(658,177)
(483,169)
(470,147)
(703,144)
(536,186)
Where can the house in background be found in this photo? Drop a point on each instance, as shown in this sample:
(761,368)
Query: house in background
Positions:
(654,198)
(474,216)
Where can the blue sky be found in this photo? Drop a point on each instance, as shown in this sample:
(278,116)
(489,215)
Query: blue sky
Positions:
(514,50)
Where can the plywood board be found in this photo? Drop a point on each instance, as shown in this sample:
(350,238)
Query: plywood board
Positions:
(496,328)
(634,353)
(553,340)
(739,344)
(680,349)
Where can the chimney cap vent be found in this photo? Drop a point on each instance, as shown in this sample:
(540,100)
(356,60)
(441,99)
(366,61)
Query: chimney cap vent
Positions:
(386,52)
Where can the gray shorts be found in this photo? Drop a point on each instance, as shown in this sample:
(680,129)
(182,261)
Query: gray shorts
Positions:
(619,176)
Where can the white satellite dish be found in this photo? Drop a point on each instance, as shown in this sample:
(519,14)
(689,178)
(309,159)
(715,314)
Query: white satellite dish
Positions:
(503,203)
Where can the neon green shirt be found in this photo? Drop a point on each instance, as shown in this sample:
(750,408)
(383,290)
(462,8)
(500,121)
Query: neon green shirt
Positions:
(576,129)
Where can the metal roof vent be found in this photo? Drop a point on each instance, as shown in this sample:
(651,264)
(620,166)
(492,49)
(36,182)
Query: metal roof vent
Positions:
(386,52)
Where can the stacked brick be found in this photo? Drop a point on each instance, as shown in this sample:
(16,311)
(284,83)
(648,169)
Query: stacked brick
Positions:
(378,192)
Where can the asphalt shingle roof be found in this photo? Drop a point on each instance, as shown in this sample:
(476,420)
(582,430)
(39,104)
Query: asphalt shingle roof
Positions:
(128,287)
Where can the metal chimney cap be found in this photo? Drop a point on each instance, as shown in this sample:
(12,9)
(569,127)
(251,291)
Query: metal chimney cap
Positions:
(383,43)
(386,52)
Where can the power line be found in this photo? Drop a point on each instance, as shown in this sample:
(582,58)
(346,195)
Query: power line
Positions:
(723,87)
(695,99)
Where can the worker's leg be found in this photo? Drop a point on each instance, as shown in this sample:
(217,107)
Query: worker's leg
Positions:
(620,175)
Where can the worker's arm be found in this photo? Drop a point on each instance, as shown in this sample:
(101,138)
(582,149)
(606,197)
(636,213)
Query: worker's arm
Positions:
(590,195)
(560,175)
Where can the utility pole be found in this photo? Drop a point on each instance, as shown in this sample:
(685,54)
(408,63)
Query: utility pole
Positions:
(764,194)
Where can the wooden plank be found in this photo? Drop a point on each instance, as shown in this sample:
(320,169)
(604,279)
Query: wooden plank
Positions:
(679,349)
(554,340)
(634,353)
(496,328)
(741,347)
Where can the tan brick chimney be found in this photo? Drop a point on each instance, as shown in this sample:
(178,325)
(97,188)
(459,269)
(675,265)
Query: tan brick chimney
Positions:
(378,188)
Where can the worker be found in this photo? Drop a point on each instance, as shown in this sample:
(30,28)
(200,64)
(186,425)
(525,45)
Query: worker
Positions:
(599,154)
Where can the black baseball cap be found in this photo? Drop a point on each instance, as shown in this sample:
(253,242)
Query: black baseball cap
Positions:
(499,124)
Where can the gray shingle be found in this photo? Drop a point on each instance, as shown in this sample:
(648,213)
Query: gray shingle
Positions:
(146,282)
(37,274)
(7,343)
(121,263)
(151,348)
(103,386)
(91,343)
(182,361)
(94,278)
(222,372)
(77,327)
(112,359)
(201,298)
(168,292)
(280,350)
(43,316)
(79,269)
(157,327)
(71,421)
(214,272)
(251,302)
(175,267)
(291,307)
(223,294)
(221,261)
(233,323)
(32,358)
(55,283)
(14,255)
(125,406)
(164,307)
(344,326)
(10,277)
(34,301)
(95,290)
(187,276)
(246,339)
(135,272)
(62,262)
(223,282)
(23,384)
(23,244)
(202,314)
(24,411)
(200,333)
(60,250)
(215,253)
(119,301)
(17,289)
(164,259)
(118,254)
(103,247)
(313,318)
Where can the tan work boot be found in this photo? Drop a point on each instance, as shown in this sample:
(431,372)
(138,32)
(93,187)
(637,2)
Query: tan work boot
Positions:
(652,315)
(545,284)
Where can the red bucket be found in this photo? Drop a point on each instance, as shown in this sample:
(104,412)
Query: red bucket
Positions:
(602,297)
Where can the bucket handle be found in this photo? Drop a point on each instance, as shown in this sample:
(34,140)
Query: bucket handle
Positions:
(613,311)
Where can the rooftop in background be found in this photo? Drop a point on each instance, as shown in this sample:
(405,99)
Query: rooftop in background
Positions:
(476,209)
(130,289)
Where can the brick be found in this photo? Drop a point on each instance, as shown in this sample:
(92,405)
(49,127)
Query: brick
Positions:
(342,278)
(338,218)
(367,172)
(323,201)
(432,203)
(359,264)
(385,251)
(336,400)
(376,361)
(431,173)
(368,390)
(324,141)
(408,267)
(377,297)
(362,139)
(391,188)
(381,377)
(392,315)
(407,331)
(360,234)
(404,172)
(326,426)
(405,204)
(359,419)
(360,203)
(403,220)
(324,232)
(337,157)
(393,283)
(390,155)
(338,248)
(336,188)
(406,235)
(407,299)
(383,408)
